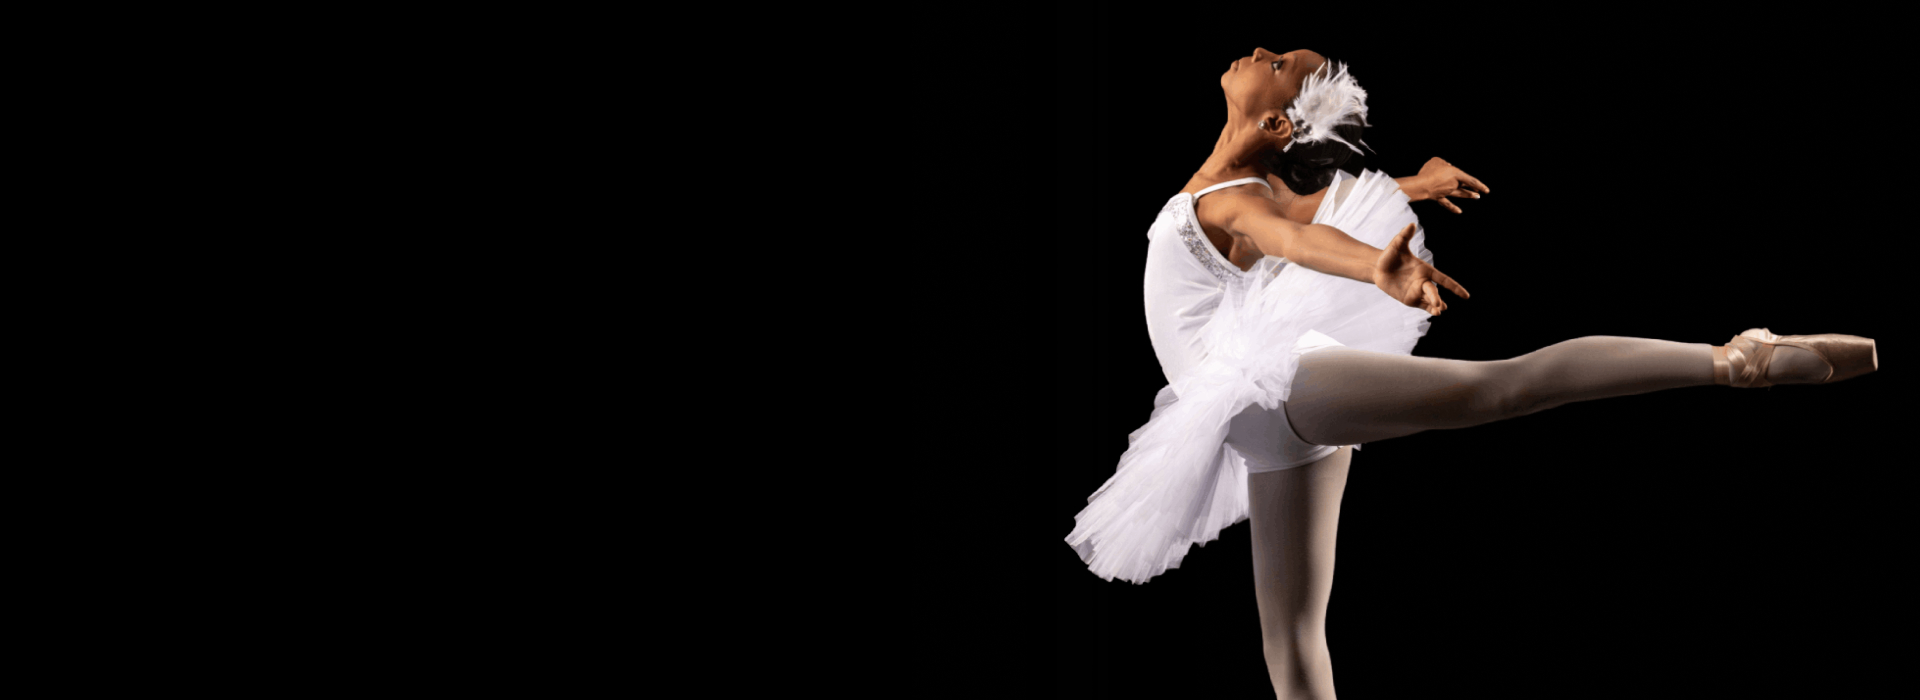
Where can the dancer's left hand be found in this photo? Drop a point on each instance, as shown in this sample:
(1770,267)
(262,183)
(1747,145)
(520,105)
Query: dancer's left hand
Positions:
(1440,180)
(1407,278)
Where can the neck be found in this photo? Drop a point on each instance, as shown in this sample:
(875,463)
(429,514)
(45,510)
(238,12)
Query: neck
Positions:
(1235,155)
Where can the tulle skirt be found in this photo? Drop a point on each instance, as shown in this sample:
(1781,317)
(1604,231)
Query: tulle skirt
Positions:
(1178,484)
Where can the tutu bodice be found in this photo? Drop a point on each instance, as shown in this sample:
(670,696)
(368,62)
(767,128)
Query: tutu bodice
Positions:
(1229,340)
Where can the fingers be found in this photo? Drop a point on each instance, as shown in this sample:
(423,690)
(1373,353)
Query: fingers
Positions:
(1391,256)
(1449,205)
(1464,192)
(1451,285)
(1430,298)
(1471,180)
(1403,239)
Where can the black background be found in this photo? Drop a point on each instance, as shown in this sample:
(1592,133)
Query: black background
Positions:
(1652,176)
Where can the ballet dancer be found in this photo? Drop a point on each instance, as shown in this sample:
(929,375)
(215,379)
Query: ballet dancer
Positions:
(1283,300)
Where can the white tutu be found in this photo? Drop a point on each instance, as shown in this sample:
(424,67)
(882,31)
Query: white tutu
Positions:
(1177,485)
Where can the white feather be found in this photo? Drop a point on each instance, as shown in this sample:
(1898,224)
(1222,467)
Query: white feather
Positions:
(1329,97)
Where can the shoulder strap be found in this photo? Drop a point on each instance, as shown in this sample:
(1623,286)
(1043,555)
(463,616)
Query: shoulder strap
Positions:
(1233,183)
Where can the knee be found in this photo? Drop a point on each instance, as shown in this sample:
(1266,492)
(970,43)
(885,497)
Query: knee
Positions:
(1290,641)
(1501,391)
(1529,387)
(1300,668)
(1513,403)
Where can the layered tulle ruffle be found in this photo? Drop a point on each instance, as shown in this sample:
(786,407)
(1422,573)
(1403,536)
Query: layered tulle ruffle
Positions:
(1177,485)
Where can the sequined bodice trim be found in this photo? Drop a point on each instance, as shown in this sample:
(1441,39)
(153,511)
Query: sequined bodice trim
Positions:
(1188,226)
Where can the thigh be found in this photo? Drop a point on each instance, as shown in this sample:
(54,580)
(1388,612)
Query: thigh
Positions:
(1295,516)
(1264,439)
(1343,396)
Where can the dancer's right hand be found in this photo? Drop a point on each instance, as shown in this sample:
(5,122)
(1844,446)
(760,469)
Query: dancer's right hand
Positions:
(1407,278)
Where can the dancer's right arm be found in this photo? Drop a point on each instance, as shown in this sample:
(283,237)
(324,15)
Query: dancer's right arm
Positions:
(1321,248)
(1318,247)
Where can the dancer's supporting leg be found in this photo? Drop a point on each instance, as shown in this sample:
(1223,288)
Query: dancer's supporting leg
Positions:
(1342,396)
(1295,516)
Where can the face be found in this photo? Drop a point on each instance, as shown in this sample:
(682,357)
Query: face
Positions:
(1265,82)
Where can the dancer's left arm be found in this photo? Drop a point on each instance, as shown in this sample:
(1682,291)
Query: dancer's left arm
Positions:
(1437,181)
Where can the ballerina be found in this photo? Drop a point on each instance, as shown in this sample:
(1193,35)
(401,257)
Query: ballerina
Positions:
(1283,300)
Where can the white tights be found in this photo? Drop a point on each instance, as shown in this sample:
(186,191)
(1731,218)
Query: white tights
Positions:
(1342,396)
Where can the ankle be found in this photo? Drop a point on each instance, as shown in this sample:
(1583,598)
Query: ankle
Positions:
(1722,370)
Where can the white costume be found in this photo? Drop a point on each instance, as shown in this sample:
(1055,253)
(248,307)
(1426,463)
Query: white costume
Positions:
(1228,342)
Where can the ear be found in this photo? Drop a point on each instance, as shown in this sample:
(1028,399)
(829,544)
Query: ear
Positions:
(1278,126)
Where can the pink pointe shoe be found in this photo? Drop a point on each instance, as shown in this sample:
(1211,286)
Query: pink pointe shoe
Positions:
(1749,354)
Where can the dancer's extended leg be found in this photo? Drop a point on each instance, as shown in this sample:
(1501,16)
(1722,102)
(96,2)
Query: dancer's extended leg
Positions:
(1343,396)
(1295,515)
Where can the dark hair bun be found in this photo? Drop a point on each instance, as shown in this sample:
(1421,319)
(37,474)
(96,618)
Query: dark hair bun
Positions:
(1308,168)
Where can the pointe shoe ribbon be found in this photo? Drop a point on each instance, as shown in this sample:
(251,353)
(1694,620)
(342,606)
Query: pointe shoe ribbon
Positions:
(1846,356)
(1750,369)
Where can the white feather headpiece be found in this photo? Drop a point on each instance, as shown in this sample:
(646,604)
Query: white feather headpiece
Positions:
(1329,97)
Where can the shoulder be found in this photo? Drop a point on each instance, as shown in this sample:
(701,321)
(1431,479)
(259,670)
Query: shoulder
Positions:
(1231,209)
